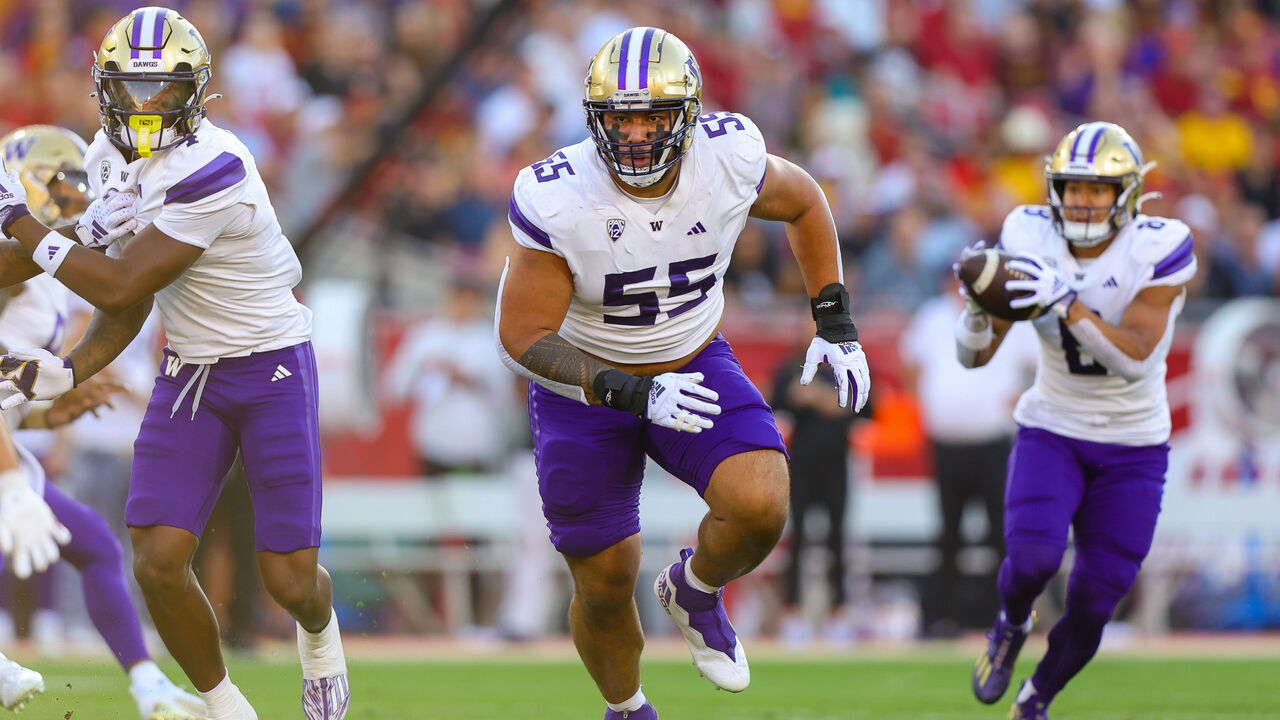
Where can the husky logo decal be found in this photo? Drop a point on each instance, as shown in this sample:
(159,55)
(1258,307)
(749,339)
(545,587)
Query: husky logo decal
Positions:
(616,226)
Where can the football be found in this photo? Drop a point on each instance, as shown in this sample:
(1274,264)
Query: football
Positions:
(984,274)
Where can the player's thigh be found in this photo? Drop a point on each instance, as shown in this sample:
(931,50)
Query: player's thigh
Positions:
(280,442)
(179,459)
(1043,489)
(745,425)
(590,463)
(1120,507)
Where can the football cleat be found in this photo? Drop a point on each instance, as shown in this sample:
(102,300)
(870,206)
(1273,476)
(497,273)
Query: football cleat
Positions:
(1030,704)
(702,620)
(646,712)
(18,684)
(994,667)
(326,698)
(162,700)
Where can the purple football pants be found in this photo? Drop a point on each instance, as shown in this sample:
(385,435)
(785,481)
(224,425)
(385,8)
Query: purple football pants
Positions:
(1109,495)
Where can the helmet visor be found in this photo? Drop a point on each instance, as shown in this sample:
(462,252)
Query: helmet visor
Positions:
(148,96)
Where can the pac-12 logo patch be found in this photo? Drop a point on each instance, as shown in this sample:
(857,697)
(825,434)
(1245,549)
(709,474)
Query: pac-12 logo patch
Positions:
(616,226)
(104,171)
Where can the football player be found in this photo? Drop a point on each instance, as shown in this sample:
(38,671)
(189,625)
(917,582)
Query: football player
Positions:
(50,162)
(1092,444)
(611,305)
(239,372)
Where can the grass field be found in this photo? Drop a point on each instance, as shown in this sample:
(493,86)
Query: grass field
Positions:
(891,688)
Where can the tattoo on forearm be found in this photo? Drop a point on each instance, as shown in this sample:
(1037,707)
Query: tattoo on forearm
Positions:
(552,357)
(106,337)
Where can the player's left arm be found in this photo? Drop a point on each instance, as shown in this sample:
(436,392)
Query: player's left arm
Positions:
(1126,348)
(149,262)
(791,195)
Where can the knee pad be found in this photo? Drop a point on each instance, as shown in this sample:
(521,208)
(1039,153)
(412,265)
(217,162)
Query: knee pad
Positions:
(1032,564)
(1098,582)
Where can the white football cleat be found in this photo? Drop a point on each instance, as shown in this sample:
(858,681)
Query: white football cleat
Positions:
(162,700)
(18,684)
(716,651)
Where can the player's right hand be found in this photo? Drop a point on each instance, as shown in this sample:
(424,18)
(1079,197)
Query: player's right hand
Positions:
(108,219)
(33,374)
(680,402)
(29,532)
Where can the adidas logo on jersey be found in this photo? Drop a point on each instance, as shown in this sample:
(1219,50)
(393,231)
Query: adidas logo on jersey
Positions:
(696,229)
(1111,282)
(281,373)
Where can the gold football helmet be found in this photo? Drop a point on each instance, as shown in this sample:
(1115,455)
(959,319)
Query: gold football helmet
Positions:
(1100,152)
(152,72)
(50,161)
(650,70)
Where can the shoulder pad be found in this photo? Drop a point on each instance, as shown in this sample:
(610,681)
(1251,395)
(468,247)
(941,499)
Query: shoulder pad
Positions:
(1023,228)
(1155,237)
(736,139)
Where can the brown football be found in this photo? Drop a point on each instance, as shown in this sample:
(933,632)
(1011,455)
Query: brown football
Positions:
(984,274)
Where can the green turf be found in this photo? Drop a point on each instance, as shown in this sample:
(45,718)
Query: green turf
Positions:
(885,689)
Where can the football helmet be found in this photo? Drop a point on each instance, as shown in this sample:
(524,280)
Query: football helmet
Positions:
(50,162)
(152,72)
(1100,152)
(647,70)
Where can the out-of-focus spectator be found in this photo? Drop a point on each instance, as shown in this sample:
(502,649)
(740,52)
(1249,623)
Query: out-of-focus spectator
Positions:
(968,416)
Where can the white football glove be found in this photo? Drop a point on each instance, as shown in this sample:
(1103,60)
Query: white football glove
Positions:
(29,532)
(680,402)
(1046,286)
(970,305)
(108,219)
(33,374)
(849,363)
(13,197)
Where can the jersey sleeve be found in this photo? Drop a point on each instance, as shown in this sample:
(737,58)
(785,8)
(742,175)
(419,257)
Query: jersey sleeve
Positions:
(1022,228)
(1167,247)
(747,161)
(527,226)
(200,205)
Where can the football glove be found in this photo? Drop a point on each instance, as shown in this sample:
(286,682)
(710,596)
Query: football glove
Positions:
(837,345)
(29,532)
(1045,286)
(108,219)
(971,306)
(673,400)
(13,198)
(33,374)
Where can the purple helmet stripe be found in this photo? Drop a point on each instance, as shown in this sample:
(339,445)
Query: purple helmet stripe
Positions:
(1174,261)
(219,174)
(644,58)
(622,61)
(135,38)
(1093,146)
(157,37)
(520,221)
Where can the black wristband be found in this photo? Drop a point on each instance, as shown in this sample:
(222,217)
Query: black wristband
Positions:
(831,313)
(623,391)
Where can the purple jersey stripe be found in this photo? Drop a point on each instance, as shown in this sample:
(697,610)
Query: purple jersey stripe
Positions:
(622,61)
(157,38)
(763,175)
(135,38)
(1093,146)
(525,226)
(221,173)
(644,58)
(1174,261)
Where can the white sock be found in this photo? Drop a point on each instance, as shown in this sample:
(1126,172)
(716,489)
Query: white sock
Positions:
(1026,626)
(223,699)
(321,653)
(1026,692)
(695,582)
(631,704)
(145,673)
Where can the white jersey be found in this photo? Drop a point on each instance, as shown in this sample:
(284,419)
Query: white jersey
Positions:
(1074,395)
(646,273)
(237,298)
(34,318)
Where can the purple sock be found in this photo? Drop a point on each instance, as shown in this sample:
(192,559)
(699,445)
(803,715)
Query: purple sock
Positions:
(96,553)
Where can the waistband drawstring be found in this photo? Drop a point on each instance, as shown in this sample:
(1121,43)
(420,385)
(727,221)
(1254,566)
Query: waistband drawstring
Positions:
(202,375)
